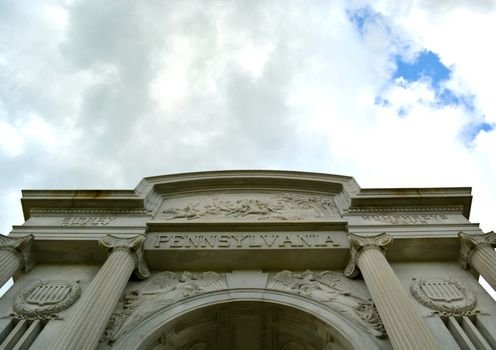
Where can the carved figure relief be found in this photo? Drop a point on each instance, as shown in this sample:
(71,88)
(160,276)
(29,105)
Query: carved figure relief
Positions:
(443,294)
(46,298)
(252,207)
(158,292)
(328,287)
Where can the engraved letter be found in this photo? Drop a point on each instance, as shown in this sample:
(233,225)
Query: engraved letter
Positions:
(161,239)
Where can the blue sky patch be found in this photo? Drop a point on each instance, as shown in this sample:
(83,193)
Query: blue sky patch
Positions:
(426,66)
(360,17)
(470,132)
(446,97)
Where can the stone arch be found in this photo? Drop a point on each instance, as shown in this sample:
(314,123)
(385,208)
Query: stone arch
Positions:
(345,333)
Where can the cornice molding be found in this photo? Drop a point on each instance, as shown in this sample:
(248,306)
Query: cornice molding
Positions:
(401,210)
(85,211)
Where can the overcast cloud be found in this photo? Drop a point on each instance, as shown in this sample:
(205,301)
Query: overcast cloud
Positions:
(98,94)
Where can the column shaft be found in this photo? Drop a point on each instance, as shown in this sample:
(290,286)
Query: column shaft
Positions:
(483,259)
(10,263)
(86,325)
(404,326)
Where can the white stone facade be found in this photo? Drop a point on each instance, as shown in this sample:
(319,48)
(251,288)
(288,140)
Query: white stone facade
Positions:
(247,260)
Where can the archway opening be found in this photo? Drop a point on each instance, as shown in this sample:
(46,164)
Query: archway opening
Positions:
(270,319)
(246,325)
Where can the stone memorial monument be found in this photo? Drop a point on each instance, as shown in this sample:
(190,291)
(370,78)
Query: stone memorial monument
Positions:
(247,260)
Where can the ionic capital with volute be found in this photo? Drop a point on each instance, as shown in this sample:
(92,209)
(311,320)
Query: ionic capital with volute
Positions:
(132,245)
(20,247)
(469,244)
(359,244)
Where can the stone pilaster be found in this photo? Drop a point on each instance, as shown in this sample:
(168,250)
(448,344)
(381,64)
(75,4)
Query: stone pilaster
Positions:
(85,326)
(405,328)
(478,252)
(15,255)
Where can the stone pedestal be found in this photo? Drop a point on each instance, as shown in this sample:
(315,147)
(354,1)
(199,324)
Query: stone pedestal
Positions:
(405,328)
(14,256)
(86,325)
(478,251)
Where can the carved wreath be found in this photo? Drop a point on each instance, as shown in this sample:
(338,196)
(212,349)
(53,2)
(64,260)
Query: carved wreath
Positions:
(26,305)
(459,300)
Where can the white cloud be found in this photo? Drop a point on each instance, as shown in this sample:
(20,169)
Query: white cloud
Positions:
(100,94)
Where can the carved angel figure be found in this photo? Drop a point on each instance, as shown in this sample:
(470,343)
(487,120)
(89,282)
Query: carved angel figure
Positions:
(327,287)
(160,291)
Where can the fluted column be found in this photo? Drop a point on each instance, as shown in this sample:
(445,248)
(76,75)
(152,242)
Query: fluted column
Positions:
(15,255)
(84,328)
(405,328)
(478,251)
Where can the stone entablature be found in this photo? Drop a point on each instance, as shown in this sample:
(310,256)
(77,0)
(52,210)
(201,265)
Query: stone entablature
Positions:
(246,238)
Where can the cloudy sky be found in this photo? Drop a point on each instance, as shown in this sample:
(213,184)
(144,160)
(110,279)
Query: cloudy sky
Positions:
(98,94)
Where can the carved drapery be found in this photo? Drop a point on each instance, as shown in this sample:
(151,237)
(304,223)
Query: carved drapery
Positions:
(478,251)
(404,326)
(84,328)
(15,255)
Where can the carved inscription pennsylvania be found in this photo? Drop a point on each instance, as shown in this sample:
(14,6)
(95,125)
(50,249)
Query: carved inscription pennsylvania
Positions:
(227,240)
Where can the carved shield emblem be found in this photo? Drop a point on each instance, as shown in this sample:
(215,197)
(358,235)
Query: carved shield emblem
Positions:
(47,297)
(48,294)
(443,294)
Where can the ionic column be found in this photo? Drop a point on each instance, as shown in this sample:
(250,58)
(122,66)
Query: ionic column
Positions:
(405,328)
(478,251)
(85,326)
(15,255)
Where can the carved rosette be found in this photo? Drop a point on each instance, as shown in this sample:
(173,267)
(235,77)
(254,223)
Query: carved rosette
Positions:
(444,294)
(46,298)
(358,244)
(21,247)
(470,243)
(132,245)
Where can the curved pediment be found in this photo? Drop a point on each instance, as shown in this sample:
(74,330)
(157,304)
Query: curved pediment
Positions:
(251,196)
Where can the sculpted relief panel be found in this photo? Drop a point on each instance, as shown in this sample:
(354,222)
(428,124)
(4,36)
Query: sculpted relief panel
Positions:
(158,292)
(166,288)
(250,207)
(330,289)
